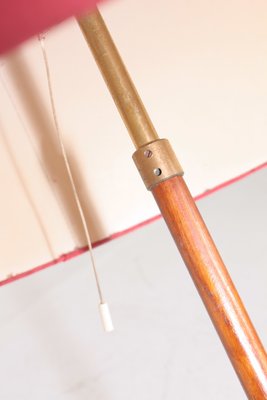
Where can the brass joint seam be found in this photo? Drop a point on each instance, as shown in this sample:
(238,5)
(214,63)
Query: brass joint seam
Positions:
(157,162)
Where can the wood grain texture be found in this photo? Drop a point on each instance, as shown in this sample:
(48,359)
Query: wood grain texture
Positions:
(214,285)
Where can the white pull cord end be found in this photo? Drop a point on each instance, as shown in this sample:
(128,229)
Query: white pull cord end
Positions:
(106,317)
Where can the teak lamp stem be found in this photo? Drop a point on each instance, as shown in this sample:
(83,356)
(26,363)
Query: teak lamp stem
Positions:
(162,175)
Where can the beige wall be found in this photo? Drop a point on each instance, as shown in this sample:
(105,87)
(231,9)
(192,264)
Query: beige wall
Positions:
(200,68)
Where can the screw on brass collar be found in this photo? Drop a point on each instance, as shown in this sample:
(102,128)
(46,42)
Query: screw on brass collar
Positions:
(156,162)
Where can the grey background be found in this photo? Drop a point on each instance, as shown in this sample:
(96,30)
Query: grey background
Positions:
(52,346)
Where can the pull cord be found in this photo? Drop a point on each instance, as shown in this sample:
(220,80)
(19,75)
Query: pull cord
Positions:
(103,306)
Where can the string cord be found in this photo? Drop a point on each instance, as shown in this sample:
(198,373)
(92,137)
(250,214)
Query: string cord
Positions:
(67,165)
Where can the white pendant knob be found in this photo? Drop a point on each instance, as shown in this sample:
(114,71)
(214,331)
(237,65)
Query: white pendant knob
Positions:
(106,317)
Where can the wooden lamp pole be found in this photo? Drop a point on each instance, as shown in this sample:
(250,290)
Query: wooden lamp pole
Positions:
(162,175)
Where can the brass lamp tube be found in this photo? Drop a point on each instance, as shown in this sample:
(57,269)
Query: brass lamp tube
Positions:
(117,79)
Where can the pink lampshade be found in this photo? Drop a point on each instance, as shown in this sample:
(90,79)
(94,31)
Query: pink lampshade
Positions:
(21,19)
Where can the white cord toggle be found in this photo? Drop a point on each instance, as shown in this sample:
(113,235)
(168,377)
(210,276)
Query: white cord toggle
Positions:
(106,317)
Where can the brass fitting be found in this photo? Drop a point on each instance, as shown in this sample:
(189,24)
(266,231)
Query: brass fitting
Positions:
(156,162)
